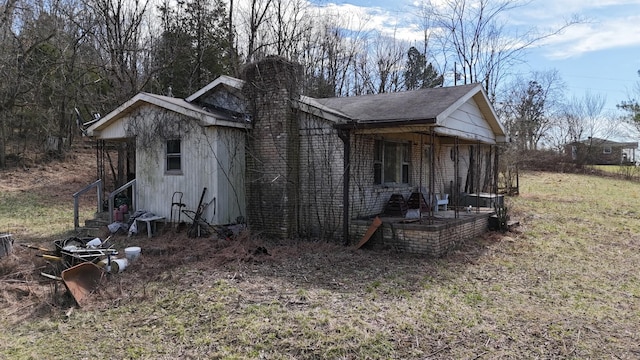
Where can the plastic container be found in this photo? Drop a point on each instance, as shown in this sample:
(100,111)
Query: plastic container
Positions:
(132,253)
(94,243)
(117,215)
(118,265)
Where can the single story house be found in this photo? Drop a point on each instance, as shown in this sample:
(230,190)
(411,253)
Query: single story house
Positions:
(294,166)
(598,151)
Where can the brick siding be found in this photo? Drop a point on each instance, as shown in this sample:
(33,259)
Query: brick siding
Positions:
(272,148)
(431,240)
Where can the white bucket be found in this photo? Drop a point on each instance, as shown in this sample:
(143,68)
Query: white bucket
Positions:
(118,265)
(132,253)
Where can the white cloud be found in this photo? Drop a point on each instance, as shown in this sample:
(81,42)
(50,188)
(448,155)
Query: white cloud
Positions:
(606,24)
(595,36)
(611,23)
(397,21)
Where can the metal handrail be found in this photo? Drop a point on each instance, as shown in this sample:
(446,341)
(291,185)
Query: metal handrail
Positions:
(76,202)
(131,184)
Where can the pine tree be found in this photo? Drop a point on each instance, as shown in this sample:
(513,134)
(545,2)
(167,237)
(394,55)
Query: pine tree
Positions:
(418,73)
(193,48)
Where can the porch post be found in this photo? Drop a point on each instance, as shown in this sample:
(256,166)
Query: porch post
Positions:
(478,175)
(456,174)
(346,139)
(432,176)
(420,194)
(496,164)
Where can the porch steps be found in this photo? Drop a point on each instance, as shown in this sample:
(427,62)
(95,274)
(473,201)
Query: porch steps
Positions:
(95,227)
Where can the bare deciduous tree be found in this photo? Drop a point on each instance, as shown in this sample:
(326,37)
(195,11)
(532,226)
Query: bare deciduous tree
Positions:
(586,118)
(530,106)
(475,37)
(292,20)
(388,58)
(119,27)
(255,19)
(21,41)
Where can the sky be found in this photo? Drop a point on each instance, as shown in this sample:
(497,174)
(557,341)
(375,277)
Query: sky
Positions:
(600,55)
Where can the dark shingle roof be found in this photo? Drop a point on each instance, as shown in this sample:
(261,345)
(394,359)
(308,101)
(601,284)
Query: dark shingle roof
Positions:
(424,104)
(605,142)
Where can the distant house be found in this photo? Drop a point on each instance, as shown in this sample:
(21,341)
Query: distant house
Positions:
(597,151)
(295,166)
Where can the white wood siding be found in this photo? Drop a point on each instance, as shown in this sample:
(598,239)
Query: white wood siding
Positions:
(116,130)
(467,122)
(230,159)
(211,157)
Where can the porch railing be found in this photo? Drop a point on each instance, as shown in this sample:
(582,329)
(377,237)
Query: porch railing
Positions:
(76,201)
(131,184)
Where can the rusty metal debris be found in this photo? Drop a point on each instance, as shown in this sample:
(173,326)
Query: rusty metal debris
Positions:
(82,279)
(75,262)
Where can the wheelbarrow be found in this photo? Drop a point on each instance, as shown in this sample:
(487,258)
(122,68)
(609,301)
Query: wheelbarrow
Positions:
(81,280)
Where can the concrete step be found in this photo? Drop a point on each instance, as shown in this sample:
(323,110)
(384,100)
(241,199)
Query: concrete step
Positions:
(92,231)
(104,215)
(95,223)
(97,227)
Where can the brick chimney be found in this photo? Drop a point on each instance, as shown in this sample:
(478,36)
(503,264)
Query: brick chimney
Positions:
(273,146)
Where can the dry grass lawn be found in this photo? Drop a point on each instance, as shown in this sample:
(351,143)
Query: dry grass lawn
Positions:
(563,285)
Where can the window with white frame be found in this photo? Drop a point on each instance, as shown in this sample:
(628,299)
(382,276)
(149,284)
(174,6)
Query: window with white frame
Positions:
(606,150)
(174,157)
(391,162)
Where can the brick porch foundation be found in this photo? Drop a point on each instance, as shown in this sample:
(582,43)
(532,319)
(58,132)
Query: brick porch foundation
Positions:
(433,240)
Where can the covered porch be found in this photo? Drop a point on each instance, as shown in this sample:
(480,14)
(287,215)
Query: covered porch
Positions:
(448,196)
(452,197)
(435,172)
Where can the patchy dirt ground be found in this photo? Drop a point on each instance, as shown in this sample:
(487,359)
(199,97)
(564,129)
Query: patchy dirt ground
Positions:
(261,269)
(56,179)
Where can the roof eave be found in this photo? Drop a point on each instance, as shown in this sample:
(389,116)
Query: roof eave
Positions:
(231,83)
(370,124)
(117,113)
(305,104)
(204,118)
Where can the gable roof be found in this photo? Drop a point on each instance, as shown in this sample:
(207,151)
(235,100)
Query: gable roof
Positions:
(232,84)
(439,108)
(207,117)
(427,107)
(423,104)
